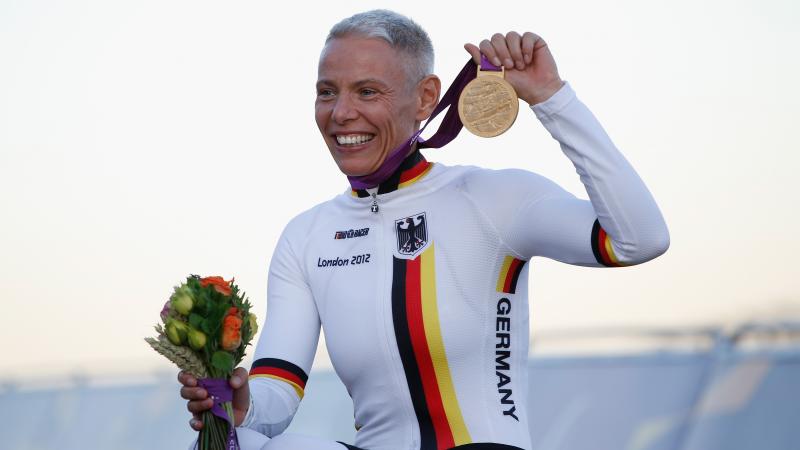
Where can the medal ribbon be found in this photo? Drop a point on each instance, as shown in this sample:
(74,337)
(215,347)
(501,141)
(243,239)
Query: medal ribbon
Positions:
(448,130)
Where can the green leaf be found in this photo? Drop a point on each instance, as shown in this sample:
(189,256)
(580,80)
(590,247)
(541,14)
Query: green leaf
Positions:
(207,327)
(195,320)
(200,303)
(223,361)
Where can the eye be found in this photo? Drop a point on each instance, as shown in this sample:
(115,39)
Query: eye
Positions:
(325,93)
(367,92)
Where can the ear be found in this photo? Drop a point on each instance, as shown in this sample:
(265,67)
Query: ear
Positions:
(428,90)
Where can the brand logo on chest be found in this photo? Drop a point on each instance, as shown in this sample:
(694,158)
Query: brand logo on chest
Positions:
(349,234)
(412,234)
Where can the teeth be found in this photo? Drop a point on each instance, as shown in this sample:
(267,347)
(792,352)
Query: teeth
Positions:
(353,139)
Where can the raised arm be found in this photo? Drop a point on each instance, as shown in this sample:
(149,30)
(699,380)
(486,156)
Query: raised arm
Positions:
(620,225)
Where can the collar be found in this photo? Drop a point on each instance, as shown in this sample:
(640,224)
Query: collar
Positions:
(412,169)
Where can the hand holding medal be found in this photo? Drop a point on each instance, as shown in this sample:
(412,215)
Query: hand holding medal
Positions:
(509,66)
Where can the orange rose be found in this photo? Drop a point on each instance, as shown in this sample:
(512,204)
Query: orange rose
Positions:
(232,330)
(220,285)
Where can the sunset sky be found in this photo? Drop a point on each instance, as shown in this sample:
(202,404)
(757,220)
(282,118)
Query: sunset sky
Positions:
(142,141)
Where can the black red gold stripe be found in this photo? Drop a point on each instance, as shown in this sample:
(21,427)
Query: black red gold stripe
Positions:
(282,370)
(419,340)
(413,169)
(509,274)
(414,174)
(601,247)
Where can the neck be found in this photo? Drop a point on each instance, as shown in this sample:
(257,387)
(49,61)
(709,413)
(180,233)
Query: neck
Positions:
(390,165)
(410,169)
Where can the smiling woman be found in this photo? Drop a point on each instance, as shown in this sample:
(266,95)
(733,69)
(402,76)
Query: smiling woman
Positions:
(426,316)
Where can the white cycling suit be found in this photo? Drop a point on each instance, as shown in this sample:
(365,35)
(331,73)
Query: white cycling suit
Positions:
(424,302)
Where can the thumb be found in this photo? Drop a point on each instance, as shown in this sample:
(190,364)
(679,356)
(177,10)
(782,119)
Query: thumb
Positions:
(241,393)
(474,51)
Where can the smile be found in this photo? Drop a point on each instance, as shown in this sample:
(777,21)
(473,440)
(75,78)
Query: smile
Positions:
(353,139)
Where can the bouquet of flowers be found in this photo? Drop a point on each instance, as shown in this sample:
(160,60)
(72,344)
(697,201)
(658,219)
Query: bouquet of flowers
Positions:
(205,326)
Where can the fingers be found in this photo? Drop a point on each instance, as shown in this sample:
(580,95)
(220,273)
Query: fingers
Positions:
(196,424)
(241,394)
(187,379)
(238,378)
(528,43)
(501,49)
(512,51)
(198,399)
(474,51)
(197,396)
(198,406)
(193,393)
(514,44)
(190,390)
(488,50)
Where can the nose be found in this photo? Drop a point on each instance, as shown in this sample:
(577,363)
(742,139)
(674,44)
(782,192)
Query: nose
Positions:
(344,110)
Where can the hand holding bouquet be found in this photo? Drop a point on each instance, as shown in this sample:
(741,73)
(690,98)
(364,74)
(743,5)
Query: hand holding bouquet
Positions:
(206,325)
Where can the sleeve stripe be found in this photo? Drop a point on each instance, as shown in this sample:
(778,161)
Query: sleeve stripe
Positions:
(610,251)
(299,390)
(601,247)
(279,367)
(280,373)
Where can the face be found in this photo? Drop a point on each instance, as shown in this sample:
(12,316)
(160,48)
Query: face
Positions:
(365,105)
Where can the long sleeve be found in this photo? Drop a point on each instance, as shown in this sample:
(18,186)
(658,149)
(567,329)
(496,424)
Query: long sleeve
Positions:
(288,341)
(620,225)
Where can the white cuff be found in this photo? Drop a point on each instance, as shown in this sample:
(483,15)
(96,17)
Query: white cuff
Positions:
(555,104)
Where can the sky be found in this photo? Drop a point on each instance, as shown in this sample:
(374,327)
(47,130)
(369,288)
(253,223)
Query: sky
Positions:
(143,141)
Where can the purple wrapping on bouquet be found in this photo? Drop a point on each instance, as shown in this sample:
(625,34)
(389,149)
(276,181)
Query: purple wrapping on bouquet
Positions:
(221,391)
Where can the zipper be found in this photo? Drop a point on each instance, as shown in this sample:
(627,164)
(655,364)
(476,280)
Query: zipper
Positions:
(374,193)
(384,280)
(384,310)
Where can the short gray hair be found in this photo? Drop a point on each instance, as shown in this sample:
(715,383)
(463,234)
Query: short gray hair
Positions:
(402,33)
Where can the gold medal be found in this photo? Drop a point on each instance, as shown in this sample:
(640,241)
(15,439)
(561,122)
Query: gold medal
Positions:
(488,105)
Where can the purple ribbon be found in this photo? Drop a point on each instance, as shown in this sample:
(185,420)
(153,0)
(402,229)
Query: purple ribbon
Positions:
(448,130)
(221,391)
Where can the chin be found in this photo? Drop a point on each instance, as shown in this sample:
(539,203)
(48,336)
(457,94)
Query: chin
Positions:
(356,167)
(354,171)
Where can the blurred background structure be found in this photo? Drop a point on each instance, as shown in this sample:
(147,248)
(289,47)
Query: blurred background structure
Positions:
(692,389)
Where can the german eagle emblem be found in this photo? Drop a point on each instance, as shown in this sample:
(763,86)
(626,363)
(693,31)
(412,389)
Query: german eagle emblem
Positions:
(412,234)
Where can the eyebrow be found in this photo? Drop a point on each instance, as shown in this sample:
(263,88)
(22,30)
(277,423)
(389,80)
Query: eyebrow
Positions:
(356,84)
